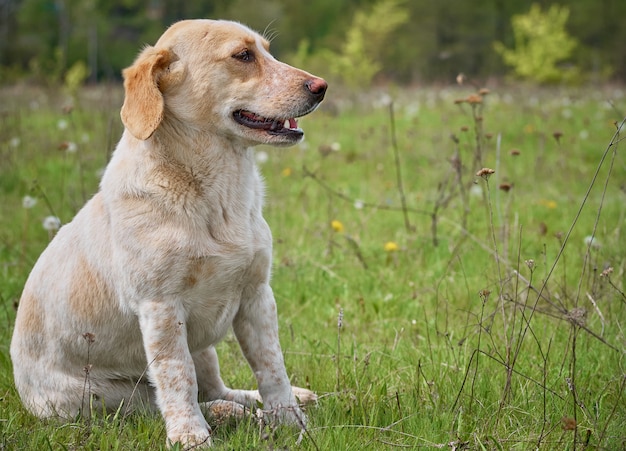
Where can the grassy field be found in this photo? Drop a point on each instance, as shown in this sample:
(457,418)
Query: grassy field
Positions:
(428,306)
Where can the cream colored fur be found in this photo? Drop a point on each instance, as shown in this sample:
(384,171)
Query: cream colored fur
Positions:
(125,305)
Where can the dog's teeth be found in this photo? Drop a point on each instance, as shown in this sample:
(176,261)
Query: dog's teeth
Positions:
(286,123)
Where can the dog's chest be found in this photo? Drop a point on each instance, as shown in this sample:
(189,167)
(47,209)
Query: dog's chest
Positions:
(214,289)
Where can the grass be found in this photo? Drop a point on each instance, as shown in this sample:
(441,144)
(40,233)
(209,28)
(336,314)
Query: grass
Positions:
(492,321)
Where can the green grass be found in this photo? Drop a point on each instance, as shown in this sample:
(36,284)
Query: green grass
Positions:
(441,344)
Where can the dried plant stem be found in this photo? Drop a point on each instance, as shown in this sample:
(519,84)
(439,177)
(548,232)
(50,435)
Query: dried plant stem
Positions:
(308,173)
(478,134)
(89,338)
(339,326)
(396,155)
(494,240)
(572,384)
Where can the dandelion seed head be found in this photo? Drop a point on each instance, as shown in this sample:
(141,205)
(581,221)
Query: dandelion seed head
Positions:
(592,241)
(29,202)
(71,147)
(385,100)
(359,204)
(62,124)
(476,191)
(261,157)
(15,142)
(51,223)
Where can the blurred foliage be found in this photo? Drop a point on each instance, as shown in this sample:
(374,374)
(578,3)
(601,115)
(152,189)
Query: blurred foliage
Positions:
(40,40)
(76,76)
(359,58)
(541,43)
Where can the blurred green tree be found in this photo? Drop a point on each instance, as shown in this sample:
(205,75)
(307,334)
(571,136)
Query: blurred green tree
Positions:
(359,57)
(541,43)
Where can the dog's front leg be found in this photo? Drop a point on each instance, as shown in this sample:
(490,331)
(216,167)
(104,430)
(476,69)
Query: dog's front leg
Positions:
(256,329)
(171,370)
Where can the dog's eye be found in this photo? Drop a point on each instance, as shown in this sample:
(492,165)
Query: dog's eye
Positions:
(245,55)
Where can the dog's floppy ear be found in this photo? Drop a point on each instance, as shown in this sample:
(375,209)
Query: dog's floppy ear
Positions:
(142,111)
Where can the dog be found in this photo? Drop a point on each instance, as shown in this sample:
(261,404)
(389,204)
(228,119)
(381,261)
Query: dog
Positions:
(125,305)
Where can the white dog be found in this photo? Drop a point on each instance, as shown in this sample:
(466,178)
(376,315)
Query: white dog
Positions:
(125,305)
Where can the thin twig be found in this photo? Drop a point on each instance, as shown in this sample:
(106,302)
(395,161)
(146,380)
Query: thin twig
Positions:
(396,155)
(342,196)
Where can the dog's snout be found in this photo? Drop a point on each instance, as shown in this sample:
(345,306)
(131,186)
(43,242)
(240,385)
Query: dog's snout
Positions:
(317,87)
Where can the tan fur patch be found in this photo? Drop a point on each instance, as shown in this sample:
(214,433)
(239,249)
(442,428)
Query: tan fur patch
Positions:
(89,294)
(29,311)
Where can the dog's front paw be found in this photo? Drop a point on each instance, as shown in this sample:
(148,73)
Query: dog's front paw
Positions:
(199,439)
(291,415)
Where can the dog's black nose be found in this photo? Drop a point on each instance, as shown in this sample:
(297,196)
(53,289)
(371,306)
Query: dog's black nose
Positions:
(317,87)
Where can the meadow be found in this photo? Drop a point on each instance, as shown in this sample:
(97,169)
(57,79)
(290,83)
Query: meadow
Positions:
(449,266)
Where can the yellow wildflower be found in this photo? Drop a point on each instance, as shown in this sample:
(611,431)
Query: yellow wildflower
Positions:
(391,246)
(336,225)
(548,203)
(286,172)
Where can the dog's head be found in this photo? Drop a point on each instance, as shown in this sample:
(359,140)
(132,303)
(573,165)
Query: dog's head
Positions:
(217,76)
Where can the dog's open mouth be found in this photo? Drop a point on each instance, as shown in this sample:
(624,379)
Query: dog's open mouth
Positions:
(283,127)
